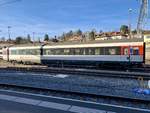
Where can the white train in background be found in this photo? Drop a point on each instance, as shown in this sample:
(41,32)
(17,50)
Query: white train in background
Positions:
(94,53)
(1,53)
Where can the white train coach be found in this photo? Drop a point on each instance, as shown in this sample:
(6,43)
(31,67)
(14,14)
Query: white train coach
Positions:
(94,53)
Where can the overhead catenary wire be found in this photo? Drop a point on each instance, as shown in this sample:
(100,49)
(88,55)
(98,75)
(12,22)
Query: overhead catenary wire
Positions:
(3,3)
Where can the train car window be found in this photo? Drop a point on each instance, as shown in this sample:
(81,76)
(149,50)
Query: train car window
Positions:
(82,51)
(102,51)
(23,52)
(97,51)
(131,51)
(126,51)
(58,51)
(77,51)
(86,50)
(51,52)
(13,52)
(48,52)
(109,51)
(136,51)
(72,51)
(27,52)
(113,51)
(66,51)
(118,50)
(33,52)
(45,52)
(91,51)
(38,52)
(20,52)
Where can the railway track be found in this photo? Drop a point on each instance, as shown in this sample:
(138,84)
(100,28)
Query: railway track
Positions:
(87,72)
(144,69)
(123,100)
(82,96)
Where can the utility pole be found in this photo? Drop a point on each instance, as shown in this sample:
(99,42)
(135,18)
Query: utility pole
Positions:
(33,37)
(130,23)
(9,37)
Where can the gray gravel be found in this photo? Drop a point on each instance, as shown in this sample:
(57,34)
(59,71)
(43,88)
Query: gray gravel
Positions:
(88,84)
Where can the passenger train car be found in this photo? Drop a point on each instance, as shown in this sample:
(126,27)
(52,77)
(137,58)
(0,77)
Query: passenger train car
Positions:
(24,55)
(147,51)
(94,53)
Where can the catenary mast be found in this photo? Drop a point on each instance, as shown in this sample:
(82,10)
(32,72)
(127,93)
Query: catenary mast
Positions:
(142,17)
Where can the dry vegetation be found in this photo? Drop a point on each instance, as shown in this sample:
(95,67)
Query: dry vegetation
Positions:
(4,64)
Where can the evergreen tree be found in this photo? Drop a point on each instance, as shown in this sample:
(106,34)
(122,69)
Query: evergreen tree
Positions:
(46,37)
(79,32)
(124,29)
(19,40)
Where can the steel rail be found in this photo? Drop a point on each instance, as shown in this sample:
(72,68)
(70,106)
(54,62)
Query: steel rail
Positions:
(87,72)
(80,94)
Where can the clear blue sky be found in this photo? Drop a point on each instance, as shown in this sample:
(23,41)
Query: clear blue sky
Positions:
(57,16)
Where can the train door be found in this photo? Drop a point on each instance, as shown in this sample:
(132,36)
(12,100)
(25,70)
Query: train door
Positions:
(5,52)
(126,53)
(135,54)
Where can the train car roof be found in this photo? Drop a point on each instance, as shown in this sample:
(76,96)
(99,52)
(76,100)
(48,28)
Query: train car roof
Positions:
(27,45)
(75,43)
(100,41)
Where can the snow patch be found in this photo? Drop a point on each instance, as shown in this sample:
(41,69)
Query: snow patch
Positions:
(61,75)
